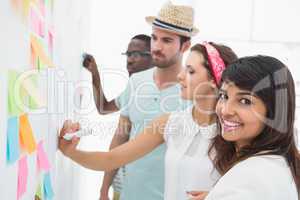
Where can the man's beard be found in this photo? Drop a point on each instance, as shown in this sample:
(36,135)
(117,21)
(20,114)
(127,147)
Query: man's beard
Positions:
(164,63)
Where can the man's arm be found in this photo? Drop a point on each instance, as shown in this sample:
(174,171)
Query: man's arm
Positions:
(120,137)
(103,106)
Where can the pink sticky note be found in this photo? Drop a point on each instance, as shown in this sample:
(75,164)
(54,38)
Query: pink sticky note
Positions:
(42,7)
(22,177)
(41,28)
(42,159)
(36,23)
(50,37)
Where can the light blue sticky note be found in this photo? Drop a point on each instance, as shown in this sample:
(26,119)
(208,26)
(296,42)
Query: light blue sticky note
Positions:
(12,145)
(48,191)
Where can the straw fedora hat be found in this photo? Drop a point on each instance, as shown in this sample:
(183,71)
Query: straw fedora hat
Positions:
(178,19)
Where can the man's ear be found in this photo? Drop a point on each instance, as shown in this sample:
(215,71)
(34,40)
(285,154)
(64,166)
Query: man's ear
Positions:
(185,46)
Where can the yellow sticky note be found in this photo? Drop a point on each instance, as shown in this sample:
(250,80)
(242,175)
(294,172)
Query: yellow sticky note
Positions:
(39,51)
(27,140)
(22,6)
(14,97)
(32,104)
(26,6)
(36,100)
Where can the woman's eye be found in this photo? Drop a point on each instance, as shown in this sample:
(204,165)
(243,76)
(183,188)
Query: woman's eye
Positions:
(246,101)
(191,71)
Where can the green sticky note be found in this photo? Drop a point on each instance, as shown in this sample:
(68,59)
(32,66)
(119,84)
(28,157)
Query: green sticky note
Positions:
(32,104)
(39,191)
(14,97)
(39,63)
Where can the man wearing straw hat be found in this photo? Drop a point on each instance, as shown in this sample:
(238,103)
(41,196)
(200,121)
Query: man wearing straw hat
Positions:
(151,93)
(138,59)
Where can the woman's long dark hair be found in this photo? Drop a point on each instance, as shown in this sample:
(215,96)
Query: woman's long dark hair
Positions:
(273,83)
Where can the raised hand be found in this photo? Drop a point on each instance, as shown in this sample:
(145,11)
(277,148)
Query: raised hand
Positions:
(66,146)
(89,63)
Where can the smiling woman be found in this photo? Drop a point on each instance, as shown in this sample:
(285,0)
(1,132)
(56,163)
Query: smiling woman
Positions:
(256,150)
(241,114)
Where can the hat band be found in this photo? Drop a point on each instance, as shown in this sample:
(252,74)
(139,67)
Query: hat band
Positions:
(163,24)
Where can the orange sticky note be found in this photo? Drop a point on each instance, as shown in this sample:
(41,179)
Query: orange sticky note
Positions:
(39,51)
(22,177)
(27,140)
(15,4)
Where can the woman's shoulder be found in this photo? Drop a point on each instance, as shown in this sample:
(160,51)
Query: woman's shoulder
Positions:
(258,177)
(263,162)
(262,166)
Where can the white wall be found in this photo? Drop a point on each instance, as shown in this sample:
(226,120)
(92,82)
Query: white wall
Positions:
(72,25)
(71,39)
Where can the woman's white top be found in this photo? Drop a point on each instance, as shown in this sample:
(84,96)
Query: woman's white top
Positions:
(187,164)
(256,178)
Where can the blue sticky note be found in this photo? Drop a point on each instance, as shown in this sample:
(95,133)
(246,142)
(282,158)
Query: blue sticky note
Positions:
(12,145)
(48,191)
